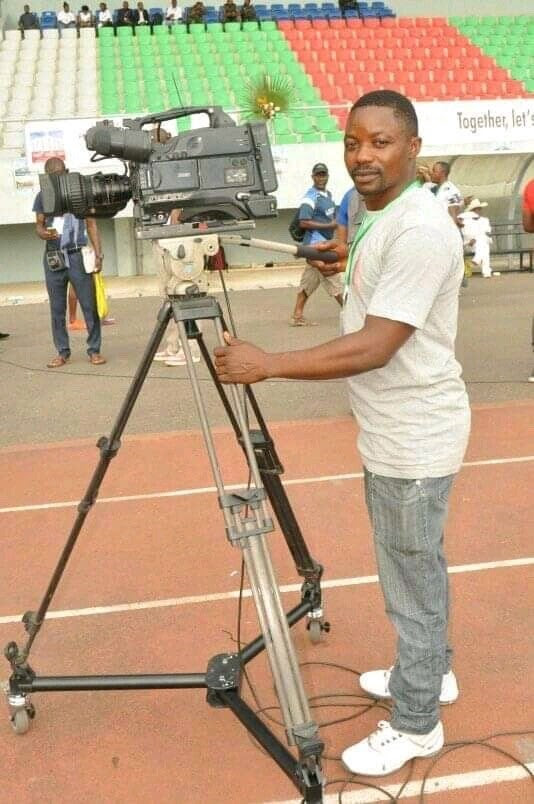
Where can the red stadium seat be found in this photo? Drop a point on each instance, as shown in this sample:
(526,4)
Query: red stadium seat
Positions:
(285,25)
(371,22)
(354,22)
(455,90)
(320,24)
(439,22)
(406,22)
(390,22)
(302,25)
(338,24)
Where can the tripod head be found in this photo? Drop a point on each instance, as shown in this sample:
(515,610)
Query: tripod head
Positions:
(186,256)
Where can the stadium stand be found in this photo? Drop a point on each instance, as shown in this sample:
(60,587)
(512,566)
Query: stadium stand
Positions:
(125,71)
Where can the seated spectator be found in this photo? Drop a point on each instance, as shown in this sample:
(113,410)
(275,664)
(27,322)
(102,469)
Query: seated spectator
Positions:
(248,12)
(125,15)
(103,16)
(141,15)
(85,18)
(230,12)
(28,20)
(173,13)
(196,12)
(66,18)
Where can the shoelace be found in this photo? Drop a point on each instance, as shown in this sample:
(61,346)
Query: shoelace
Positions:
(383,735)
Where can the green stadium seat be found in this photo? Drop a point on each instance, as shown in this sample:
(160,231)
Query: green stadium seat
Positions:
(105,33)
(179,30)
(214,27)
(286,139)
(250,26)
(124,32)
(268,25)
(232,26)
(333,136)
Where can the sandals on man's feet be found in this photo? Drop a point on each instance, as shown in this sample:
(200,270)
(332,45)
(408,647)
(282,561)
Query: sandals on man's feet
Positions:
(301,322)
(57,361)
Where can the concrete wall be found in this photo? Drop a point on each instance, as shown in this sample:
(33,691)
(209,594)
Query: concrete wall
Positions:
(21,252)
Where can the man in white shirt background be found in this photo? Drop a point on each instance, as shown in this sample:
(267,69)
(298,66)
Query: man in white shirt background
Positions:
(173,13)
(476,231)
(66,18)
(103,16)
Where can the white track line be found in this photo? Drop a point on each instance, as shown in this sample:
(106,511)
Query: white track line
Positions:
(437,784)
(301,481)
(218,596)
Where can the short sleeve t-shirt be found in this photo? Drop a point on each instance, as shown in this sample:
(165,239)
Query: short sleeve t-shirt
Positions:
(67,221)
(351,212)
(448,194)
(317,205)
(413,413)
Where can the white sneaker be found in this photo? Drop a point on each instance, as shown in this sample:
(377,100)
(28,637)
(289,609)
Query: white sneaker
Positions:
(386,750)
(376,684)
(178,359)
(163,355)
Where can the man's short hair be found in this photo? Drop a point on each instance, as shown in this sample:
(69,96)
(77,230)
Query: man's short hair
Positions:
(54,165)
(445,166)
(387,98)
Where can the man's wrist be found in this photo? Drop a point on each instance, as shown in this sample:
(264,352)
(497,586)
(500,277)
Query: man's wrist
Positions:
(272,362)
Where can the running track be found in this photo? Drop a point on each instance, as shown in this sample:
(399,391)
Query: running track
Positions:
(152,584)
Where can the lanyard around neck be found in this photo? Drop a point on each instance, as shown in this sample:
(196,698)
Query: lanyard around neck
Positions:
(366,224)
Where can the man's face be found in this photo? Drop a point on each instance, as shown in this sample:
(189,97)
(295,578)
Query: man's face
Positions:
(66,7)
(437,174)
(320,180)
(26,9)
(380,153)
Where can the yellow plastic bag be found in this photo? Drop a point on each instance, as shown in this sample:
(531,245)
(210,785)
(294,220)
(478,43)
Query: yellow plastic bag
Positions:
(100,293)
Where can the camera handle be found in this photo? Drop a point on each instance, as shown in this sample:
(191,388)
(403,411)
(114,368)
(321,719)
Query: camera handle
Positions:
(216,114)
(307,252)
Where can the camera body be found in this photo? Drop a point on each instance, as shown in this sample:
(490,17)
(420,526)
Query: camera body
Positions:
(221,172)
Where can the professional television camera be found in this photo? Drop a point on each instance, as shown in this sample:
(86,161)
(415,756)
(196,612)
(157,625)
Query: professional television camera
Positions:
(219,176)
(223,172)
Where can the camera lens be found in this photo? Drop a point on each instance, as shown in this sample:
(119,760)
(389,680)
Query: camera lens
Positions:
(98,196)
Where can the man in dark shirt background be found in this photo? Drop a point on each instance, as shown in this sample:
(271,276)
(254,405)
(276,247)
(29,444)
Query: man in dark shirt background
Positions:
(28,20)
(125,15)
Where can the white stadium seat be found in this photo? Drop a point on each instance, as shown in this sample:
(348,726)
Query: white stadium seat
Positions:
(50,33)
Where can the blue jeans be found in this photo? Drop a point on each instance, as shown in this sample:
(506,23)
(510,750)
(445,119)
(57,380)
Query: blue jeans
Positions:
(407,517)
(82,282)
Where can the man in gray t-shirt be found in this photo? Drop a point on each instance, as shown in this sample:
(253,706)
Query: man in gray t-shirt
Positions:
(399,319)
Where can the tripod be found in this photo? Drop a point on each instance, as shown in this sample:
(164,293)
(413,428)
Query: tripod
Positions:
(247,521)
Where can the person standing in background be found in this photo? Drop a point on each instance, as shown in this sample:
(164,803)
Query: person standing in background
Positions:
(476,230)
(63,263)
(528,226)
(317,218)
(349,216)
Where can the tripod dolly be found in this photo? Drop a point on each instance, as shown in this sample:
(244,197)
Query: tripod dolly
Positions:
(247,521)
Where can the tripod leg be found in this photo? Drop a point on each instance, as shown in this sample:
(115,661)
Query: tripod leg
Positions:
(271,469)
(247,532)
(108,449)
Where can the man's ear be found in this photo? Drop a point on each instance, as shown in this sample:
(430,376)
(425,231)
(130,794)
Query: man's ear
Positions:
(415,146)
